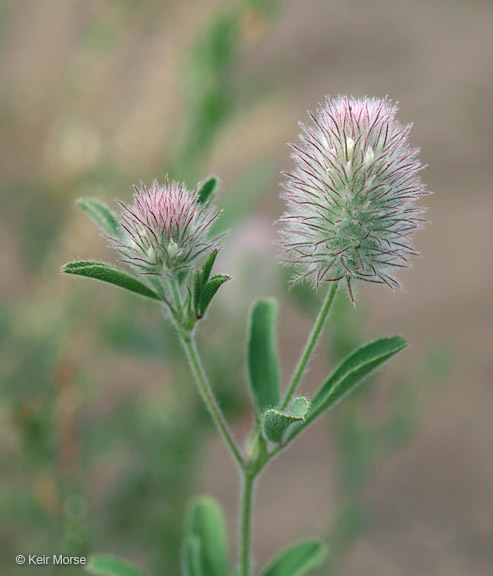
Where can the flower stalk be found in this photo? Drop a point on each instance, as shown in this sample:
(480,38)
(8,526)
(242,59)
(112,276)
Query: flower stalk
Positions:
(310,345)
(207,394)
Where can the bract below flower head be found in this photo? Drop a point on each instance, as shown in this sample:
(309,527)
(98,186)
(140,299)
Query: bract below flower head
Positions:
(166,229)
(351,199)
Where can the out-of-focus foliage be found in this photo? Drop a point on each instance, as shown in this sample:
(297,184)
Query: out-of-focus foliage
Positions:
(297,560)
(211,94)
(99,451)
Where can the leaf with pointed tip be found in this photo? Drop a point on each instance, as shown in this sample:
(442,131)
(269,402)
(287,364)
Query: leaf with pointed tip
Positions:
(110,274)
(108,565)
(263,368)
(207,268)
(210,289)
(205,522)
(297,560)
(275,422)
(191,562)
(207,190)
(351,372)
(101,214)
(196,290)
(204,289)
(354,369)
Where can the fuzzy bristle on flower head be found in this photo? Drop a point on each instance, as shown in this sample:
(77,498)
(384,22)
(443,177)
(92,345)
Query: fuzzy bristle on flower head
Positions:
(166,228)
(351,199)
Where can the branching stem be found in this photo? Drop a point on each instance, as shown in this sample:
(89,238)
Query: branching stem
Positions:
(208,395)
(249,470)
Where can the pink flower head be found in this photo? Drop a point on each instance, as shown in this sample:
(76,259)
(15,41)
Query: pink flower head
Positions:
(351,199)
(166,228)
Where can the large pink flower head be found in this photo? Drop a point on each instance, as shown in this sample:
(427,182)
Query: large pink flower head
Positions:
(351,199)
(166,229)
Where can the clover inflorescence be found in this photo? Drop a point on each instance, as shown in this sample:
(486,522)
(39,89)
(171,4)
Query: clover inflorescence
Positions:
(351,199)
(166,229)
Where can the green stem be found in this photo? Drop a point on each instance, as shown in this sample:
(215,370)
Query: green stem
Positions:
(207,394)
(175,291)
(310,345)
(246,523)
(155,282)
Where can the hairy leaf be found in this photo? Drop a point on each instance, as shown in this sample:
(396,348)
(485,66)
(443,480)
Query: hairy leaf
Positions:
(263,368)
(275,422)
(101,214)
(351,372)
(207,268)
(354,369)
(299,407)
(196,290)
(207,190)
(203,288)
(110,274)
(210,289)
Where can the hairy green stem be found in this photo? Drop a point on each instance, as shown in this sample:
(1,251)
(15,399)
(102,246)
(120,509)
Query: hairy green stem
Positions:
(249,473)
(246,523)
(175,291)
(310,345)
(155,283)
(208,395)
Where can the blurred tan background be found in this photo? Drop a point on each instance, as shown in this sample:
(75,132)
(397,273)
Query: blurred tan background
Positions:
(93,98)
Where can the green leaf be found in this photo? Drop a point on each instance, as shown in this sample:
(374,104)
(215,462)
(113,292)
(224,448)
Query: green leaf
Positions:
(111,275)
(207,268)
(196,290)
(297,560)
(108,565)
(205,523)
(209,290)
(299,407)
(263,368)
(199,281)
(191,562)
(203,289)
(207,190)
(353,370)
(101,214)
(275,422)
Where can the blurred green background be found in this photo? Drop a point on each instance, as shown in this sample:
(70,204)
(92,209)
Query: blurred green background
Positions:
(103,435)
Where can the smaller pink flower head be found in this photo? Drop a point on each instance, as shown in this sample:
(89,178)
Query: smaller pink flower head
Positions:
(166,228)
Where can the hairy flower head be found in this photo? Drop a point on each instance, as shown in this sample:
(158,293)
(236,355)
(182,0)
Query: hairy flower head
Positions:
(351,199)
(166,229)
